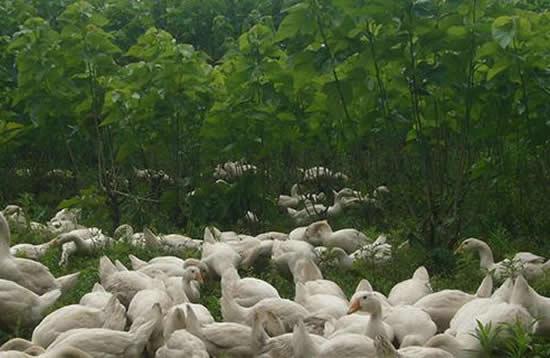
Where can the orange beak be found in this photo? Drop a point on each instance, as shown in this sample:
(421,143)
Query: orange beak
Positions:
(199,278)
(354,307)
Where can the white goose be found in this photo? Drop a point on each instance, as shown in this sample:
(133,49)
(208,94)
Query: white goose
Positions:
(97,298)
(218,256)
(28,273)
(443,305)
(522,262)
(22,307)
(378,252)
(284,254)
(123,284)
(286,311)
(107,343)
(537,305)
(279,346)
(370,325)
(409,291)
(358,320)
(112,316)
(314,211)
(247,291)
(477,306)
(30,251)
(321,304)
(295,198)
(385,349)
(345,345)
(227,338)
(181,343)
(86,241)
(411,325)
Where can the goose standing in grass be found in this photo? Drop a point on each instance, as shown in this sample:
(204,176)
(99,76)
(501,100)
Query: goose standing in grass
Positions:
(87,241)
(443,305)
(284,254)
(312,212)
(247,291)
(124,284)
(172,266)
(375,326)
(378,252)
(180,344)
(107,343)
(279,346)
(227,339)
(321,304)
(21,307)
(537,305)
(112,316)
(345,345)
(28,273)
(477,306)
(218,256)
(295,198)
(355,322)
(188,284)
(30,251)
(411,325)
(319,172)
(321,233)
(64,220)
(522,262)
(141,303)
(409,291)
(286,311)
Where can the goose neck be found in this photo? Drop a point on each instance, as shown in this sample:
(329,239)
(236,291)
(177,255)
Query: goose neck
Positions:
(485,256)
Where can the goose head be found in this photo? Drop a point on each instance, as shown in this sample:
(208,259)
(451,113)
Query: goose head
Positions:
(366,302)
(485,254)
(470,245)
(193,273)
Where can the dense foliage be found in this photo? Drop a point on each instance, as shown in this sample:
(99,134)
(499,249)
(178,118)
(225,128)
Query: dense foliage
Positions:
(446,102)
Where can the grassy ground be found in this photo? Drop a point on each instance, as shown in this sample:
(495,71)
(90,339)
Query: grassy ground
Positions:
(446,272)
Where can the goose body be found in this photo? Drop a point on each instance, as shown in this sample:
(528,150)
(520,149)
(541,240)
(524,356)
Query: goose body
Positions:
(85,241)
(385,349)
(529,264)
(28,273)
(124,284)
(181,343)
(247,291)
(227,338)
(411,325)
(30,251)
(22,307)
(409,291)
(443,305)
(113,316)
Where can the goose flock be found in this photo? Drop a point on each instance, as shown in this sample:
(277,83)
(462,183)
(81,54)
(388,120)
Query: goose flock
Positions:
(155,308)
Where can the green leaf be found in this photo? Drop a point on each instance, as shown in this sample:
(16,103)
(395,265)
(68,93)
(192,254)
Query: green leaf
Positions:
(496,69)
(504,30)
(296,20)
